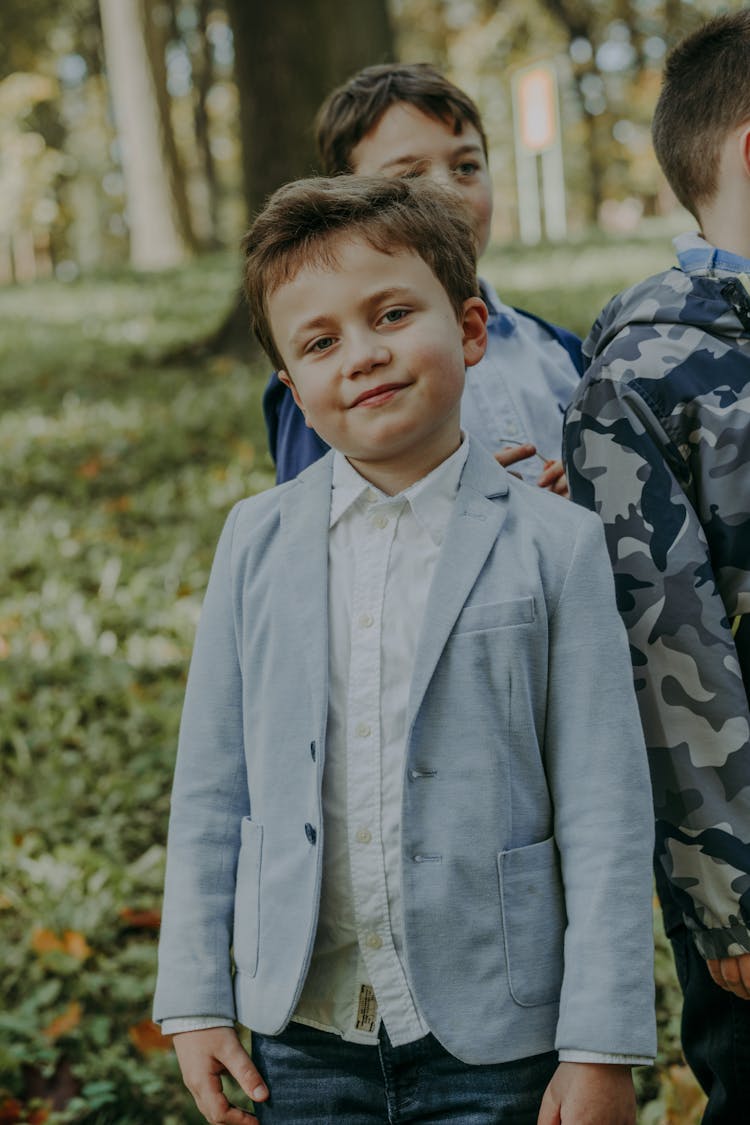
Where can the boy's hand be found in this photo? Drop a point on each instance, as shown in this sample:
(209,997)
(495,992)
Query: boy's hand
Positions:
(589,1094)
(553,477)
(204,1056)
(732,974)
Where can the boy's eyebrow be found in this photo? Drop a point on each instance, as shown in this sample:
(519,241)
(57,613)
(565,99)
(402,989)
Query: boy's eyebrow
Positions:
(389,293)
(407,158)
(311,325)
(323,322)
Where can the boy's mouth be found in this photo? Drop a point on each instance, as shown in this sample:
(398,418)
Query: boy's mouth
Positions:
(377,396)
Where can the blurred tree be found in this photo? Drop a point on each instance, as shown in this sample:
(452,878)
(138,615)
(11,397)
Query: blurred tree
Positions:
(616,50)
(157,24)
(203,76)
(157,213)
(288,57)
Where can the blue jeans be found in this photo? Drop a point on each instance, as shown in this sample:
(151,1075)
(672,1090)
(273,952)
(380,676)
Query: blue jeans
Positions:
(715,1035)
(316,1078)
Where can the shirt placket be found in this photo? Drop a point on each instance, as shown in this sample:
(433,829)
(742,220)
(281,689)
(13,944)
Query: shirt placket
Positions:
(364,765)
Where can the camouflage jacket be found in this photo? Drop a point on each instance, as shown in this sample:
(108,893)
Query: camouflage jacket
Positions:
(657,441)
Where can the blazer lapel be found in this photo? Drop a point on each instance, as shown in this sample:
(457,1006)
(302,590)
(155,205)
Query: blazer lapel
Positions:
(472,531)
(304,531)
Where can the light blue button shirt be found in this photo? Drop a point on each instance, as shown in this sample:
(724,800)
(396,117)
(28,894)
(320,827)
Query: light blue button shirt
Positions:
(519,391)
(695,255)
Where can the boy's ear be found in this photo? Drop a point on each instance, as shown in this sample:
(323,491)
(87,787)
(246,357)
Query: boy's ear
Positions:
(474,330)
(745,147)
(286,379)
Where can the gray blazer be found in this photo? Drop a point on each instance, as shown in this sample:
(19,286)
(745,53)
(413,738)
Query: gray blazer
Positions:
(533,927)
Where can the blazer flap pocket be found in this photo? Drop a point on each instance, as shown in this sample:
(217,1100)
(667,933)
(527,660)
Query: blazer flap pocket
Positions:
(495,615)
(533,909)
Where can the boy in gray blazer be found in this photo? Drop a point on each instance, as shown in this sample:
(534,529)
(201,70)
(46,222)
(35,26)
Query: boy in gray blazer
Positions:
(410,840)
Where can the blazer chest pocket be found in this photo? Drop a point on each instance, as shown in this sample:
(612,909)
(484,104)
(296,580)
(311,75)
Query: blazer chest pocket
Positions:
(495,615)
(247,898)
(534,921)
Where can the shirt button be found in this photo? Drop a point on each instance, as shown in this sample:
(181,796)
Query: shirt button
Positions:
(365,620)
(512,428)
(380,521)
(364,836)
(362,730)
(374,941)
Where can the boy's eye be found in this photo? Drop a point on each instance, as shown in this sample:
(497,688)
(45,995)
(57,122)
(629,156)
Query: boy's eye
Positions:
(321,344)
(466,168)
(394,315)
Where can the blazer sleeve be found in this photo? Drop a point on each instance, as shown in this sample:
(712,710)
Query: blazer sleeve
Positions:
(209,800)
(670,526)
(597,769)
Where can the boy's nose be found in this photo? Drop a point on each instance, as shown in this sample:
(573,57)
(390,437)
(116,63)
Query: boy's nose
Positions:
(363,355)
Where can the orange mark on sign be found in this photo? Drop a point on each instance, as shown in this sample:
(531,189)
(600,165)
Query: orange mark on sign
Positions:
(537,115)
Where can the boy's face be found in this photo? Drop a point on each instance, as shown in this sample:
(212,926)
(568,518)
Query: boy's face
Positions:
(375,355)
(407,142)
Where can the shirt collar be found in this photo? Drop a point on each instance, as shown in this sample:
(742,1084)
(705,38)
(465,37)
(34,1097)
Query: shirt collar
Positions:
(694,253)
(503,319)
(430,498)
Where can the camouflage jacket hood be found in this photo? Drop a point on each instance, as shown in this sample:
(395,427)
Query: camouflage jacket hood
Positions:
(657,441)
(672,297)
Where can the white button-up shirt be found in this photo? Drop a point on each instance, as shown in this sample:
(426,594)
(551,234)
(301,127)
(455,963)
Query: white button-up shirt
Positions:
(382,552)
(519,390)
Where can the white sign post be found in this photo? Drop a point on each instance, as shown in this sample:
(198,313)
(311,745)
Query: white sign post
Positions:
(536,117)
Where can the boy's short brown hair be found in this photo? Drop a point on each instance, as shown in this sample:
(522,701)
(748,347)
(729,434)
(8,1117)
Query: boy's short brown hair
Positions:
(706,92)
(351,111)
(297,226)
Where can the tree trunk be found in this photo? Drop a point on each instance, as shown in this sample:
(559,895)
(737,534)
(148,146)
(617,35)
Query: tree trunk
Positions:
(155,36)
(155,238)
(203,77)
(288,57)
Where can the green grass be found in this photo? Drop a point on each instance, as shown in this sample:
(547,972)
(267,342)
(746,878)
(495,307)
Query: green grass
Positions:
(116,473)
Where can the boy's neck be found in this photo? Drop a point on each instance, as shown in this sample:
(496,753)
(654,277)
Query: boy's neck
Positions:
(725,220)
(394,477)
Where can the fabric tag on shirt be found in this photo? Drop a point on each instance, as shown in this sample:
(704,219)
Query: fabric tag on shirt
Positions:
(367,1009)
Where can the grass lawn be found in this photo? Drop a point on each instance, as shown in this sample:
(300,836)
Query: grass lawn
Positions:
(116,473)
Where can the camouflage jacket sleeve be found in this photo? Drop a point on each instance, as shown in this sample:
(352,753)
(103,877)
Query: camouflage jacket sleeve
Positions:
(670,482)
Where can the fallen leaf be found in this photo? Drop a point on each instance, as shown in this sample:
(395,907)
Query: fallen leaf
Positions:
(146,1036)
(141,919)
(119,504)
(45,941)
(75,945)
(10,1111)
(90,469)
(685,1099)
(65,1022)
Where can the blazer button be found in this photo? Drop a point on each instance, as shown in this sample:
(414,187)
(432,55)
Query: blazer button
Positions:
(311,834)
(312,750)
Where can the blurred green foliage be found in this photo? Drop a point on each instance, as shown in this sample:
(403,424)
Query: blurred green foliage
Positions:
(116,473)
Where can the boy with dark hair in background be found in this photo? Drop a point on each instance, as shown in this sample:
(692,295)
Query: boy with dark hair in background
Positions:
(657,441)
(408,120)
(410,835)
